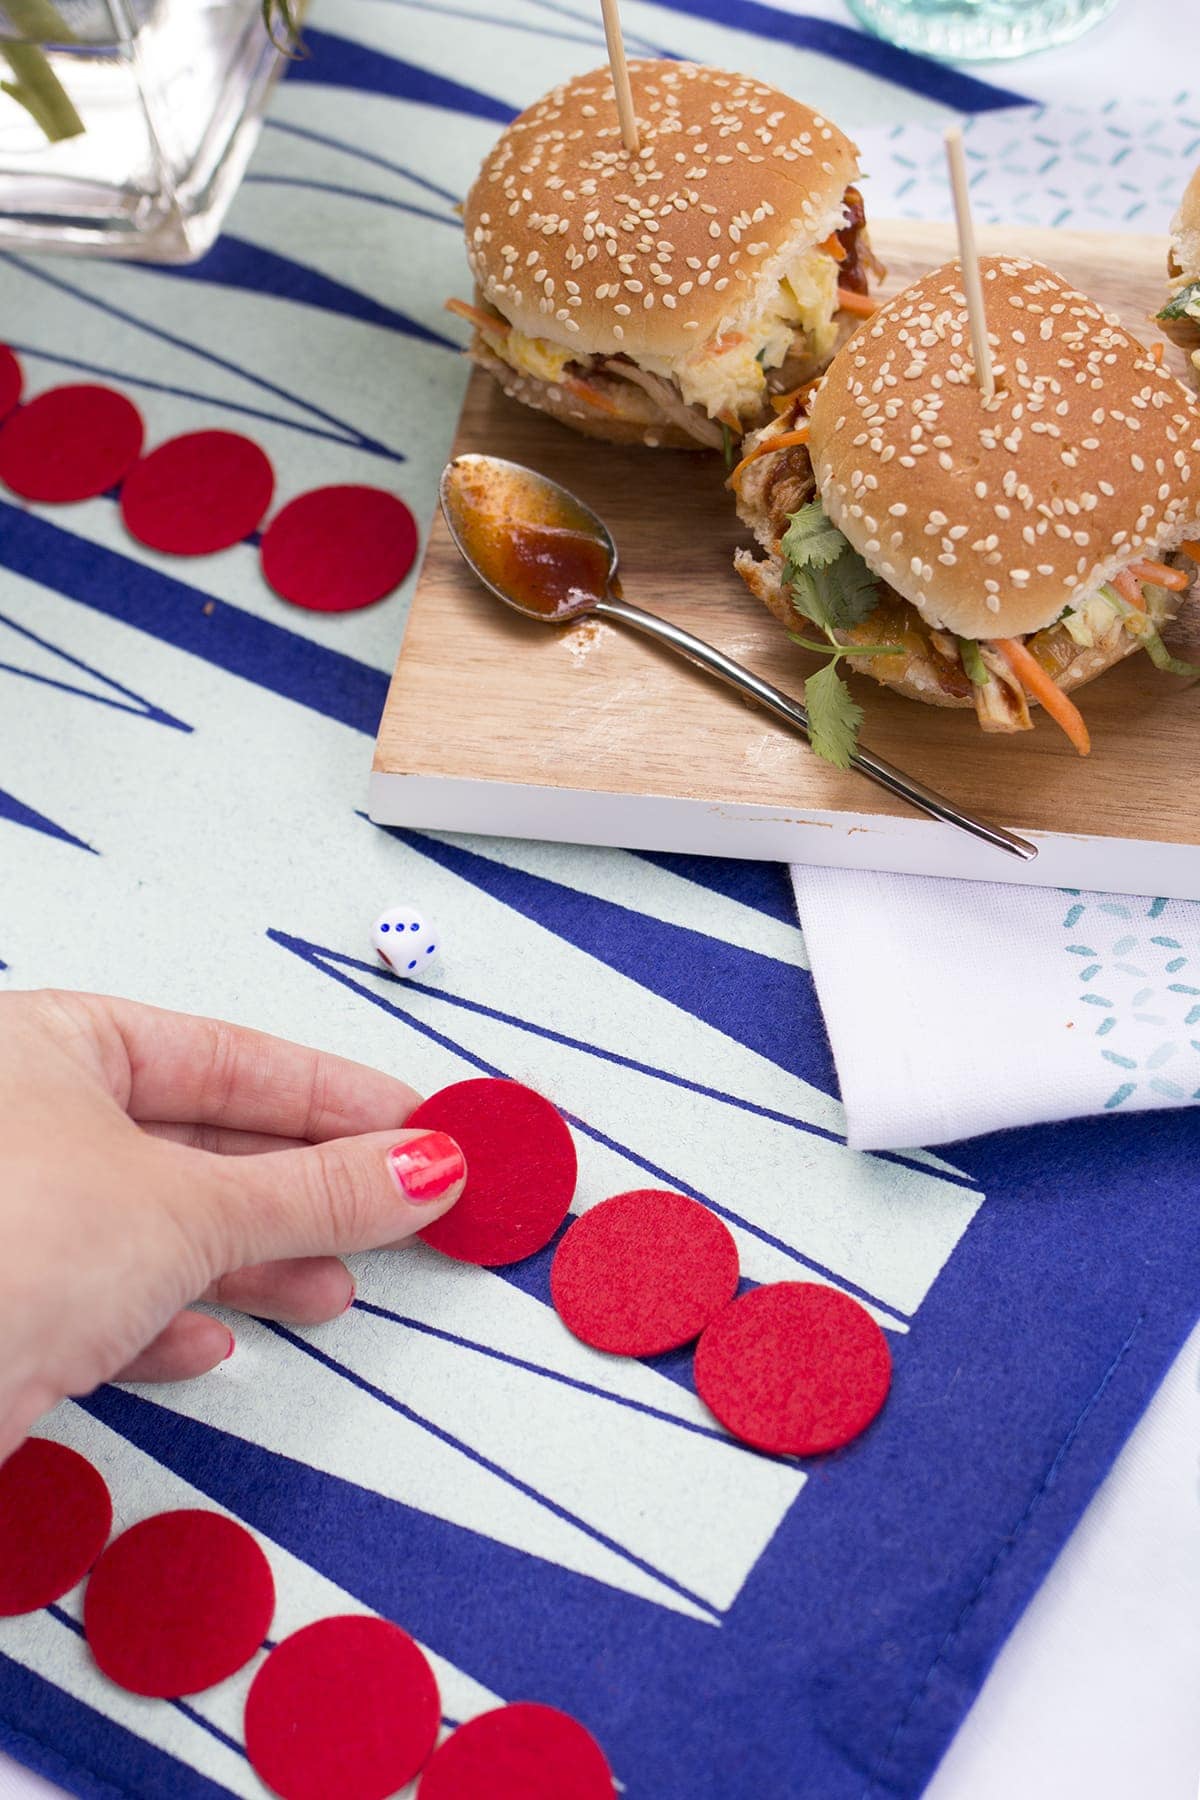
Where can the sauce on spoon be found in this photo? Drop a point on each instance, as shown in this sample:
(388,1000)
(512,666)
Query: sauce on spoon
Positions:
(524,541)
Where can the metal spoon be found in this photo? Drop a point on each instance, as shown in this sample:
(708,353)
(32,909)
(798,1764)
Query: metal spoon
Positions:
(543,552)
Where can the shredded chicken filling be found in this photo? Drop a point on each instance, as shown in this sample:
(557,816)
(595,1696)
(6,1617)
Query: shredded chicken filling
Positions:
(784,483)
(1001,704)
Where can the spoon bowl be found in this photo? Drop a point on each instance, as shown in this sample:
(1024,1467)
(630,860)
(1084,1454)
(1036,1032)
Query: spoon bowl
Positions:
(537,547)
(544,553)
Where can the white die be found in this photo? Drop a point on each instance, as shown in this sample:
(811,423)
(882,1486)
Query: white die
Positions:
(406,940)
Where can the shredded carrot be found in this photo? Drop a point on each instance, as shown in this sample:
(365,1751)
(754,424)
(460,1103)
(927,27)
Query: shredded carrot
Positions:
(1130,589)
(1161,574)
(1156,353)
(1040,686)
(862,304)
(783,442)
(1191,547)
(720,345)
(833,246)
(730,420)
(475,315)
(583,390)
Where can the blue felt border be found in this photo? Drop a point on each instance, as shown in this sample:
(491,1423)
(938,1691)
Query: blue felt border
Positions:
(85,1753)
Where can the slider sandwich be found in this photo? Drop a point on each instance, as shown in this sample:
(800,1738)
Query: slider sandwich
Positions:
(989,554)
(661,298)
(1180,316)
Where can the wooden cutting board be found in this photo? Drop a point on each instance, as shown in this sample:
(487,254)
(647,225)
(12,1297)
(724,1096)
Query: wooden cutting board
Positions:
(589,734)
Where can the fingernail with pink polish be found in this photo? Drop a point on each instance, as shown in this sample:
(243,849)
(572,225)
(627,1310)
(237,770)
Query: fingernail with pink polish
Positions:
(351,1296)
(231,1349)
(426,1168)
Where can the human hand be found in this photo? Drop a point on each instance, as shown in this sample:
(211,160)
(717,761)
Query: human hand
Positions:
(149,1159)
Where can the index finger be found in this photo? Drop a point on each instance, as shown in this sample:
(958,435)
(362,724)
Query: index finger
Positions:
(209,1072)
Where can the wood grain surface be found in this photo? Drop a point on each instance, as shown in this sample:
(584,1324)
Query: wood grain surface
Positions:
(481,695)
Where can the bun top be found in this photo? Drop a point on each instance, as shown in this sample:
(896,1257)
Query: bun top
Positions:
(574,239)
(991,517)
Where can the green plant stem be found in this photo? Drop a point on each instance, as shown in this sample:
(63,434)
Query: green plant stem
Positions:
(36,87)
(283,19)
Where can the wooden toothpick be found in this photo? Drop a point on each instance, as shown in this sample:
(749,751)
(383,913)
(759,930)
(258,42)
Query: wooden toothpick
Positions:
(620,75)
(968,258)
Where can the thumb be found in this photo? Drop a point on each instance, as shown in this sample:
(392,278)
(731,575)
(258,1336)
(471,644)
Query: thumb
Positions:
(356,1193)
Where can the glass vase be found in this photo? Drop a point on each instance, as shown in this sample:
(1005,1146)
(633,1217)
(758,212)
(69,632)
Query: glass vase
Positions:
(125,125)
(980,30)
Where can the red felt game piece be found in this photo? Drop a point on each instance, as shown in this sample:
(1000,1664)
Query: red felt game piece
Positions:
(178,1603)
(338,548)
(346,1707)
(521,1170)
(198,493)
(794,1368)
(70,443)
(11,380)
(643,1272)
(519,1752)
(55,1517)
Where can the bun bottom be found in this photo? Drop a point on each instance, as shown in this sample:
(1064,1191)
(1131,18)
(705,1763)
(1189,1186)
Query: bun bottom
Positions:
(635,420)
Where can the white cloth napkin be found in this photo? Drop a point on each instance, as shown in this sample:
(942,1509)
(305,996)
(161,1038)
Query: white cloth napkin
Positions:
(958,1007)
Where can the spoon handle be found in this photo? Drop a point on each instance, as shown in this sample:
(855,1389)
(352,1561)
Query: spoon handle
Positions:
(793,714)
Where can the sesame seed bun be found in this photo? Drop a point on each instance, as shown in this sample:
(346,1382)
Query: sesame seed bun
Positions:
(991,517)
(574,240)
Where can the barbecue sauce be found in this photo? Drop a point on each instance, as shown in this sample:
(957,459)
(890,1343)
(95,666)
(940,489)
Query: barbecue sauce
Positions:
(546,569)
(852,272)
(527,548)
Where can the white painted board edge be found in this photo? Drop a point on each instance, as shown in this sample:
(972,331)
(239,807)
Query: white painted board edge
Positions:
(906,846)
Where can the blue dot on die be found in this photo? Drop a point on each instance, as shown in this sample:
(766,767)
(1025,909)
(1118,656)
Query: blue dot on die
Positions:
(429,949)
(412,965)
(415,926)
(385,927)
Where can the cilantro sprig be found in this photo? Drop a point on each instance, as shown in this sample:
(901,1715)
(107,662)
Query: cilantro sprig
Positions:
(831,586)
(1183,305)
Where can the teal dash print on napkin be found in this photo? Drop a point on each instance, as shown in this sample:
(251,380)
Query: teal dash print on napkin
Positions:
(1141,984)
